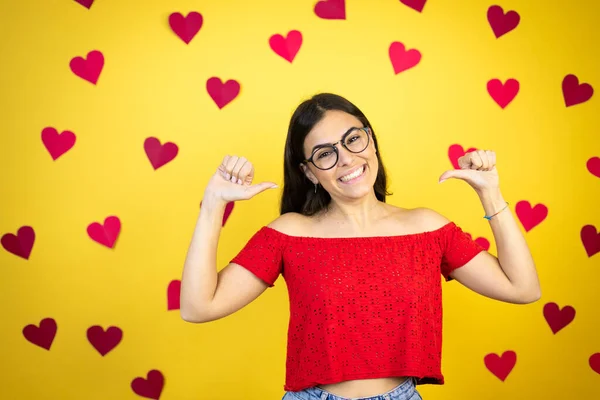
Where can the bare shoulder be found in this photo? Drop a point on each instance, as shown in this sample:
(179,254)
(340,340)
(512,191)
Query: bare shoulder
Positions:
(423,219)
(290,223)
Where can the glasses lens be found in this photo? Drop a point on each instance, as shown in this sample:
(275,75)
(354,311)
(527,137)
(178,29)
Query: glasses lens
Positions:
(325,157)
(357,141)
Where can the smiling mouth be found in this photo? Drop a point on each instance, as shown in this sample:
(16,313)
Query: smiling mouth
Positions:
(349,177)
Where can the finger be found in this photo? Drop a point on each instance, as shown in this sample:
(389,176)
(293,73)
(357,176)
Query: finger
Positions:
(492,157)
(245,174)
(229,165)
(485,162)
(235,173)
(476,161)
(260,187)
(223,166)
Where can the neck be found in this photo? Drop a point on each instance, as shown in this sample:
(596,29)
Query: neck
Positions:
(356,214)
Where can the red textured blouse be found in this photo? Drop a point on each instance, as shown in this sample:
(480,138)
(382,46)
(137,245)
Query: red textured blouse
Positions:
(361,307)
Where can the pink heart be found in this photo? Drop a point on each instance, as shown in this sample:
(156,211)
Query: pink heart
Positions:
(331,9)
(159,154)
(151,387)
(287,47)
(575,93)
(90,68)
(104,341)
(590,239)
(401,58)
(106,234)
(595,362)
(455,152)
(186,27)
(173,295)
(501,366)
(593,165)
(20,244)
(501,22)
(228,209)
(557,318)
(43,335)
(86,3)
(416,5)
(57,144)
(503,94)
(222,93)
(530,217)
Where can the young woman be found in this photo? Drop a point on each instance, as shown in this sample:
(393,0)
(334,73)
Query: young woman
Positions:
(363,276)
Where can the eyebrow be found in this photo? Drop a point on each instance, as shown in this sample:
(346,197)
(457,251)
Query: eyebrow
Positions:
(317,146)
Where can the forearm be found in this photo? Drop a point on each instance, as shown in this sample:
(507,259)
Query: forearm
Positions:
(199,278)
(513,252)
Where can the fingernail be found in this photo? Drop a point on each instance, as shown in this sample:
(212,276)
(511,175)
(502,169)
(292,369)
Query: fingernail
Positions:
(239,181)
(274,187)
(441,181)
(228,176)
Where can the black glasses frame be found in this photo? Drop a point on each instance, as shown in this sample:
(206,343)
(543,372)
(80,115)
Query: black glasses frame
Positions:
(366,129)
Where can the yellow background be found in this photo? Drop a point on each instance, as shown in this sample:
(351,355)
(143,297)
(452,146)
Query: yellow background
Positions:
(154,85)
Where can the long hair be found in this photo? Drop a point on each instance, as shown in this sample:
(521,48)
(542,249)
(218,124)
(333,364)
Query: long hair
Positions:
(298,191)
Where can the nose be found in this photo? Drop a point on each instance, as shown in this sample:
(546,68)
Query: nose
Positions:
(345,157)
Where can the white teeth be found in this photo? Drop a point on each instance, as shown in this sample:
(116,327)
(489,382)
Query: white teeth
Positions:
(352,175)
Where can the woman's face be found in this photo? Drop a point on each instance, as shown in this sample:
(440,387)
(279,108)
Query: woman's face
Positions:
(362,167)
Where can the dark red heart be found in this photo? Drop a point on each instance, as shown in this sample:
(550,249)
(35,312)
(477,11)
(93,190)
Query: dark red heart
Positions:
(159,154)
(20,244)
(503,93)
(401,58)
(529,216)
(558,318)
(90,68)
(593,165)
(57,144)
(173,295)
(43,335)
(104,341)
(416,5)
(186,27)
(575,93)
(590,238)
(501,366)
(106,234)
(151,387)
(595,362)
(222,93)
(286,47)
(331,9)
(86,3)
(501,22)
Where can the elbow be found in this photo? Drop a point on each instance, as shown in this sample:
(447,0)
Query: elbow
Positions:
(530,296)
(191,314)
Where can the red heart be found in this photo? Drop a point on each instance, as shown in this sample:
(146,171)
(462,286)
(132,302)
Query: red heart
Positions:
(416,5)
(21,243)
(104,341)
(590,239)
(105,235)
(401,58)
(593,165)
(331,9)
(227,212)
(43,335)
(186,27)
(503,94)
(90,68)
(57,144)
(173,295)
(501,366)
(557,318)
(151,387)
(530,217)
(286,47)
(159,154)
(222,93)
(500,22)
(575,93)
(595,362)
(455,152)
(86,3)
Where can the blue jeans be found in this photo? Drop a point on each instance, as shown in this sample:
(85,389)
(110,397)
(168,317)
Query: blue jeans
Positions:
(405,391)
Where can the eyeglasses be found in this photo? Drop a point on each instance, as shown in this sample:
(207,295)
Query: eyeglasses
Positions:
(326,156)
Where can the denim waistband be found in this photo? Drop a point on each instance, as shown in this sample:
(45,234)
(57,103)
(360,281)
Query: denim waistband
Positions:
(403,391)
